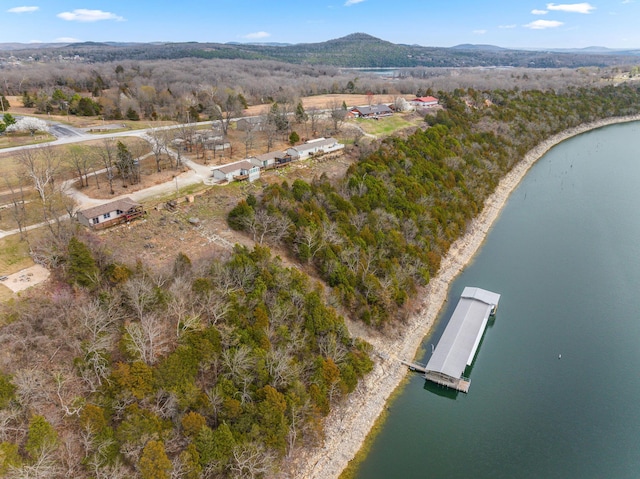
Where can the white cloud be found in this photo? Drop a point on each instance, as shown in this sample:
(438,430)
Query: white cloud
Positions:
(348,3)
(539,12)
(624,2)
(479,32)
(571,7)
(84,15)
(257,35)
(543,24)
(67,40)
(507,26)
(23,9)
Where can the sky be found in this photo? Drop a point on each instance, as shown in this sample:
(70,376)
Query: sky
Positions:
(443,23)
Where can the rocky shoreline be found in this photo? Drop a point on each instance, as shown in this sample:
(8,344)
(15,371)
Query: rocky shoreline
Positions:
(348,425)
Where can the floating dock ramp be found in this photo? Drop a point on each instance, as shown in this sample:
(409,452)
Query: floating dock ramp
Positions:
(461,338)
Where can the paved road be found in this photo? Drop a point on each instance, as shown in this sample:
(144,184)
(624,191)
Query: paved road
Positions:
(67,134)
(64,131)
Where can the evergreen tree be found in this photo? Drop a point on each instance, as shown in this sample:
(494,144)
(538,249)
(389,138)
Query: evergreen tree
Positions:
(9,457)
(182,265)
(82,268)
(41,436)
(125,163)
(240,215)
(132,114)
(301,115)
(28,101)
(87,107)
(9,119)
(154,463)
(7,390)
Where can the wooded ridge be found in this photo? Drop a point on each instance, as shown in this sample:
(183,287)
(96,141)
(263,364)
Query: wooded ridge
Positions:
(357,50)
(379,234)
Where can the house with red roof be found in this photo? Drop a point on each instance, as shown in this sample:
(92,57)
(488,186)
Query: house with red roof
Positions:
(423,102)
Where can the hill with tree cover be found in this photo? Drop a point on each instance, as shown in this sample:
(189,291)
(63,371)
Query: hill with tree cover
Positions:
(379,234)
(357,50)
(217,371)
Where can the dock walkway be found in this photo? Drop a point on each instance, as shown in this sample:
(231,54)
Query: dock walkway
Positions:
(418,367)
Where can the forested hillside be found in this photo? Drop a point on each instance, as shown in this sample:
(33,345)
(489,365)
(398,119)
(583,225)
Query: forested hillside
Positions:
(379,234)
(216,371)
(357,50)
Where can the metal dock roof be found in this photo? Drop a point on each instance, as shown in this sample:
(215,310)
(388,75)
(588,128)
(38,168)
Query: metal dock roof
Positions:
(460,339)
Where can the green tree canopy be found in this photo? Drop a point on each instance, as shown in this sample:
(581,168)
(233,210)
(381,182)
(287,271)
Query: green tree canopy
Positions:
(4,103)
(132,114)
(154,463)
(41,436)
(82,268)
(8,119)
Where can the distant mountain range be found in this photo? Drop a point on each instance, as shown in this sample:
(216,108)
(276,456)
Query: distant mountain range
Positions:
(357,50)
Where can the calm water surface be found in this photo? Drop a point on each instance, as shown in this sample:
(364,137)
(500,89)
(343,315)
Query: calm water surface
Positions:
(565,255)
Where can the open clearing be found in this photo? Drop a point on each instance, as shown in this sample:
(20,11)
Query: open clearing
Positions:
(157,239)
(324,102)
(26,278)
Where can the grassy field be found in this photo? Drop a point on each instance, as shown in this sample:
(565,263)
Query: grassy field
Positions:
(9,162)
(389,125)
(14,256)
(9,140)
(32,208)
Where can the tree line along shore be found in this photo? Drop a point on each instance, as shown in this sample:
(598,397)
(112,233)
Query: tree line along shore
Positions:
(342,452)
(227,367)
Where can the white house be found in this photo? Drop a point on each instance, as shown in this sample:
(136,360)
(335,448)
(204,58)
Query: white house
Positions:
(424,102)
(270,160)
(241,170)
(314,147)
(111,213)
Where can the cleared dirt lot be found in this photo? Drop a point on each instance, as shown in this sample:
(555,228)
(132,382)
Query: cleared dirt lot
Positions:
(158,238)
(26,278)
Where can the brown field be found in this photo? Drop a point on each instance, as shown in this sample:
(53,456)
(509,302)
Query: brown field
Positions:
(79,121)
(320,101)
(323,102)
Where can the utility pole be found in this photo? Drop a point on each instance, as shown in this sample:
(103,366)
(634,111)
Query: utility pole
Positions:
(5,96)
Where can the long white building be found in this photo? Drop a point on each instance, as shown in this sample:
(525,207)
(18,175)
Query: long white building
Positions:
(460,340)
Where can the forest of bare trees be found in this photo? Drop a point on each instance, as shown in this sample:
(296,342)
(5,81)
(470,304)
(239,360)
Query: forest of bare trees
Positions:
(209,89)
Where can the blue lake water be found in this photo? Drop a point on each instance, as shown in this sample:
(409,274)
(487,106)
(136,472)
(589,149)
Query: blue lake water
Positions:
(565,256)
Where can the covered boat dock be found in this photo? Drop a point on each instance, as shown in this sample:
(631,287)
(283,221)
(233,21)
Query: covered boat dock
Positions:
(460,340)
